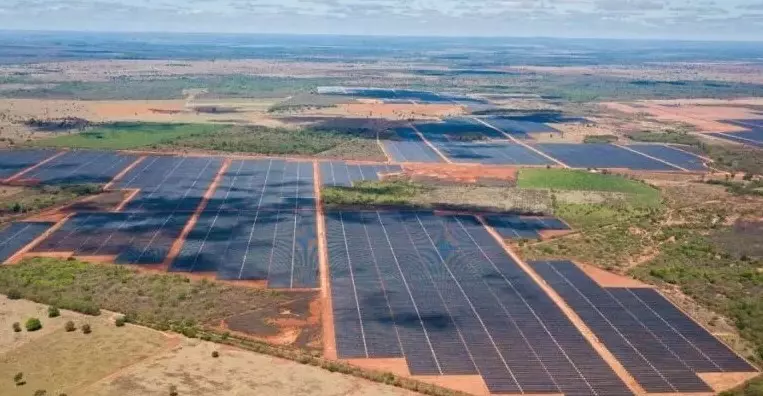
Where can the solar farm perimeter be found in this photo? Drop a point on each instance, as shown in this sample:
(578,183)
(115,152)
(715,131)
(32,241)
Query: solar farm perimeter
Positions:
(439,297)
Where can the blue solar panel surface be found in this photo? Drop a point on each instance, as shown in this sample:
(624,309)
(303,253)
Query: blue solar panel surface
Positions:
(81,167)
(342,174)
(518,128)
(278,246)
(441,292)
(15,161)
(656,365)
(134,238)
(409,147)
(672,155)
(738,137)
(601,156)
(492,153)
(259,225)
(170,183)
(516,227)
(17,235)
(454,127)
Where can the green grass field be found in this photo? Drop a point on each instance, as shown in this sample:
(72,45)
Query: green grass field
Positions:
(639,193)
(128,135)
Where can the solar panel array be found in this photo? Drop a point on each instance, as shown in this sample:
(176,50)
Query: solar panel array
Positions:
(81,167)
(671,155)
(259,225)
(134,238)
(342,174)
(440,291)
(739,137)
(18,235)
(455,127)
(601,155)
(409,147)
(170,183)
(520,227)
(491,153)
(661,347)
(519,129)
(15,161)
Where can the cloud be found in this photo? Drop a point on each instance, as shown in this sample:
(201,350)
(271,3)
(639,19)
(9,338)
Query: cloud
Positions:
(598,18)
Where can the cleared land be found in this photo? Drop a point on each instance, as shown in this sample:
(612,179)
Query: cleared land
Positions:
(132,360)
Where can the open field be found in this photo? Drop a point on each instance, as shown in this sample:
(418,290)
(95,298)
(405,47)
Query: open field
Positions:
(133,360)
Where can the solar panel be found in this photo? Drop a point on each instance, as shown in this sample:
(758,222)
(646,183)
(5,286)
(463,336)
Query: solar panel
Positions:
(17,235)
(654,364)
(602,155)
(15,161)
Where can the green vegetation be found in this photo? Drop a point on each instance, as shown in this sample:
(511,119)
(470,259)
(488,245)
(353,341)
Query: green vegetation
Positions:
(16,327)
(750,187)
(372,193)
(637,193)
(593,87)
(164,301)
(600,139)
(230,86)
(716,279)
(86,329)
(674,137)
(70,326)
(352,144)
(128,135)
(33,324)
(53,312)
(415,195)
(752,388)
(688,246)
(264,140)
(33,199)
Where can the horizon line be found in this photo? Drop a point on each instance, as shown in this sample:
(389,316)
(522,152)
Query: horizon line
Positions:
(399,36)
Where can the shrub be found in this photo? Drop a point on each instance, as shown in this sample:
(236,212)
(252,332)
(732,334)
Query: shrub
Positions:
(86,329)
(69,326)
(120,321)
(40,392)
(17,327)
(53,312)
(173,390)
(14,294)
(18,377)
(33,324)
(215,354)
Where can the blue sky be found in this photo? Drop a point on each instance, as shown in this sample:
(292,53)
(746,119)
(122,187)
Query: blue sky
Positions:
(679,19)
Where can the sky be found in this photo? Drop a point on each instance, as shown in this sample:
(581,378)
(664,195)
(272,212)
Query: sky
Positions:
(663,19)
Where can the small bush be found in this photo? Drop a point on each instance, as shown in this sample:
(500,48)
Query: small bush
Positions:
(173,390)
(18,377)
(33,324)
(120,321)
(53,312)
(17,327)
(86,329)
(215,354)
(40,392)
(14,294)
(69,326)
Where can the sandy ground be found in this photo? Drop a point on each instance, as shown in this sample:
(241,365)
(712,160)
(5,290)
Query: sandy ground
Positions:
(194,371)
(394,111)
(133,360)
(704,115)
(461,173)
